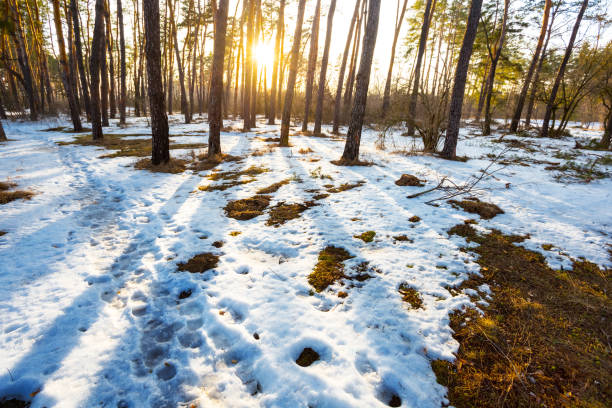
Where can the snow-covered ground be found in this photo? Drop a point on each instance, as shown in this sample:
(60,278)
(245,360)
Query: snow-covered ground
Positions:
(90,314)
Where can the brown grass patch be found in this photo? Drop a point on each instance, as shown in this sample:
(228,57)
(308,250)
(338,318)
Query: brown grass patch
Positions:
(200,263)
(8,196)
(342,162)
(207,163)
(126,148)
(247,208)
(542,341)
(273,188)
(345,187)
(307,357)
(409,180)
(174,166)
(475,206)
(305,151)
(402,238)
(414,218)
(411,296)
(281,213)
(367,236)
(6,185)
(233,178)
(329,267)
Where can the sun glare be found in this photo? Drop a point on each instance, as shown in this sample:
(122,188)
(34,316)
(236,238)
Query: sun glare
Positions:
(264,54)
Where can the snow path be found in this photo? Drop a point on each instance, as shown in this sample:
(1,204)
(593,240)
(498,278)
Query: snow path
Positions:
(90,313)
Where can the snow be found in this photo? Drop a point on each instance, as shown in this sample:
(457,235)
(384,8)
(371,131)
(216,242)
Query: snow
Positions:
(89,290)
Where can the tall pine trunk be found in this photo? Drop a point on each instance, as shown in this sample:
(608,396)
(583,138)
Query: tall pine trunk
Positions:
(312,63)
(280,24)
(248,67)
(353,137)
(429,8)
(295,55)
(456,103)
(323,73)
(160,152)
(215,111)
(555,88)
(184,105)
(97,45)
(399,19)
(65,70)
(122,86)
(111,63)
(516,118)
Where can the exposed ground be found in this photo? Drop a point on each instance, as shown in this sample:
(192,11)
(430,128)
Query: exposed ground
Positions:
(272,277)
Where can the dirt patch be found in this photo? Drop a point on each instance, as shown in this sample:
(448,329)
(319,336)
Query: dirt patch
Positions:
(126,147)
(367,236)
(218,244)
(329,267)
(174,166)
(247,208)
(475,206)
(281,213)
(307,357)
(225,186)
(403,238)
(344,187)
(7,196)
(543,340)
(414,218)
(273,188)
(14,403)
(409,180)
(411,296)
(233,178)
(184,294)
(352,163)
(200,263)
(207,163)
(3,233)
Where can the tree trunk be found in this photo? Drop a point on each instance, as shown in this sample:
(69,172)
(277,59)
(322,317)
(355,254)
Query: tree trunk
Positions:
(2,134)
(160,152)
(97,45)
(456,103)
(323,73)
(516,118)
(536,76)
(122,87)
(23,59)
(429,8)
(295,55)
(111,65)
(353,137)
(605,139)
(64,69)
(561,72)
(350,80)
(194,59)
(277,50)
(184,105)
(248,67)
(399,19)
(496,55)
(215,104)
(347,47)
(312,63)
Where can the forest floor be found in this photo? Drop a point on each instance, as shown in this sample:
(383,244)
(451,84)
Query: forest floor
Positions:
(279,279)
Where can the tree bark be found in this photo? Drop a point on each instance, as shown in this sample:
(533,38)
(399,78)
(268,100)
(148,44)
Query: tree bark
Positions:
(215,104)
(64,69)
(323,73)
(277,51)
(122,86)
(184,105)
(111,64)
(312,63)
(97,44)
(295,55)
(160,152)
(516,118)
(398,26)
(561,72)
(248,67)
(347,47)
(456,103)
(353,137)
(429,7)
(605,139)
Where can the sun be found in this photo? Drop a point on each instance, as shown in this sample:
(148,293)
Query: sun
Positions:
(264,54)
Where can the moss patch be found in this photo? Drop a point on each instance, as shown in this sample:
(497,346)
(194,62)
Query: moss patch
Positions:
(307,357)
(541,341)
(174,166)
(475,206)
(367,236)
(409,180)
(273,188)
(247,208)
(329,267)
(411,296)
(281,213)
(200,263)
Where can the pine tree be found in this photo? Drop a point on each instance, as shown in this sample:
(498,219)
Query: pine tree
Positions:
(323,73)
(215,104)
(97,46)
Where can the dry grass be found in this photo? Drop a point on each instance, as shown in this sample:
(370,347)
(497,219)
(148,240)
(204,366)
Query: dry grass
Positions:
(273,188)
(329,268)
(345,187)
(281,213)
(305,151)
(207,163)
(174,166)
(200,263)
(409,180)
(247,208)
(7,196)
(411,296)
(343,162)
(542,341)
(367,236)
(475,206)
